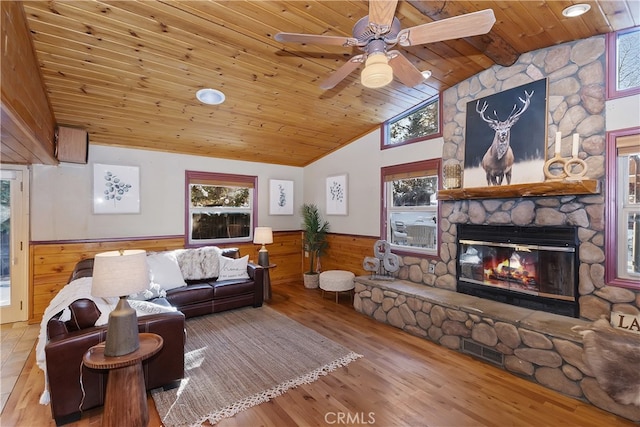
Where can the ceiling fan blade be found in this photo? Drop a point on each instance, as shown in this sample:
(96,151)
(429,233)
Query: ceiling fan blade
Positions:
(404,70)
(342,72)
(470,24)
(381,13)
(315,39)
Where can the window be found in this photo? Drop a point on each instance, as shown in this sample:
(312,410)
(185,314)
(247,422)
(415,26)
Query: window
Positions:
(623,56)
(410,209)
(623,208)
(417,124)
(220,208)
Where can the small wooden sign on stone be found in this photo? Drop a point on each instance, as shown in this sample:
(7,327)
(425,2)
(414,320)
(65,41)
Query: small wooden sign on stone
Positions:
(628,322)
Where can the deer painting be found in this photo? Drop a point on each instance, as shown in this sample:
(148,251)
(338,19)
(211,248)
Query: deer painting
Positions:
(498,160)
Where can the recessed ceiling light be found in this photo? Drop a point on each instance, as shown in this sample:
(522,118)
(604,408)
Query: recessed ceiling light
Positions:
(576,10)
(426,74)
(210,96)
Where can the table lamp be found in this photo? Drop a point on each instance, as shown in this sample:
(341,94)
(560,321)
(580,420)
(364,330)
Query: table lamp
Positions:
(263,236)
(119,274)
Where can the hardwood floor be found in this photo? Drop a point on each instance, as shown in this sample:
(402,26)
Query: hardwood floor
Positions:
(402,380)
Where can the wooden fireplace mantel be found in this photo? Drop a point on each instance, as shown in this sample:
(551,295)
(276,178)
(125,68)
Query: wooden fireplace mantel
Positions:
(539,189)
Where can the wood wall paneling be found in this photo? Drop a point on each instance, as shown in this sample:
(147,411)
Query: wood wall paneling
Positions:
(53,262)
(347,252)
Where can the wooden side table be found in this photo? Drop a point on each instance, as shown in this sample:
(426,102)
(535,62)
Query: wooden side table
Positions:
(267,281)
(125,403)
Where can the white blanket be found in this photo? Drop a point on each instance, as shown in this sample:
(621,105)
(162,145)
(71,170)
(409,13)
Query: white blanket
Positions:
(81,288)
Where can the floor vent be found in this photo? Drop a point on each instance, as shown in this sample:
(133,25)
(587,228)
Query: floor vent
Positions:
(484,353)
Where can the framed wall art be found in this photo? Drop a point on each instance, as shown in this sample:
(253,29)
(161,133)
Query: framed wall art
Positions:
(506,137)
(280,197)
(116,189)
(337,195)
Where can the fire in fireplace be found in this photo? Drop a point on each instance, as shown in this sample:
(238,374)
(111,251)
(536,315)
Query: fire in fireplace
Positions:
(532,267)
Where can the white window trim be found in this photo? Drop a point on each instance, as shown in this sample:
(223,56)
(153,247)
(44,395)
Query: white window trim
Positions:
(625,209)
(430,211)
(387,206)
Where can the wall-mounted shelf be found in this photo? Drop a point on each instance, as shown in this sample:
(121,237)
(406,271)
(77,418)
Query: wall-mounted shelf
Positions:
(539,189)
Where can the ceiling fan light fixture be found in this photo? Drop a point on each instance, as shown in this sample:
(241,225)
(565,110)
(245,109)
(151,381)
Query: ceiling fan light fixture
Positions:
(576,10)
(377,71)
(210,96)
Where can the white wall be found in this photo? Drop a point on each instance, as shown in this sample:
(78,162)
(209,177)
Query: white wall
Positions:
(622,113)
(62,195)
(361,161)
(62,207)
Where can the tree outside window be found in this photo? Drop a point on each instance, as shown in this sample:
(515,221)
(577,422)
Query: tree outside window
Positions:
(220,208)
(420,123)
(623,51)
(628,59)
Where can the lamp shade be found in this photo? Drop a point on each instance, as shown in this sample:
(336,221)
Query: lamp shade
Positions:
(263,235)
(119,273)
(377,71)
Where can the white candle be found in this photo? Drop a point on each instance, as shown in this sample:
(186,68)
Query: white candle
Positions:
(576,142)
(558,142)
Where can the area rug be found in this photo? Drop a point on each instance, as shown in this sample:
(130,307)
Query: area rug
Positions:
(238,359)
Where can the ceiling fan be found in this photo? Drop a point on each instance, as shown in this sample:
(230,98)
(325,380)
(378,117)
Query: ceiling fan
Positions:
(375,33)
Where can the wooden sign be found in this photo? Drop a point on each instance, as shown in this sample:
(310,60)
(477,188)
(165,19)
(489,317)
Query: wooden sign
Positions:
(629,322)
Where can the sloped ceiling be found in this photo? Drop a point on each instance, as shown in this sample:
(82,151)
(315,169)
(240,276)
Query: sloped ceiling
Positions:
(128,71)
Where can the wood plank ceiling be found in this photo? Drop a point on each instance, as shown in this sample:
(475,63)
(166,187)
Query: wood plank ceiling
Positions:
(128,71)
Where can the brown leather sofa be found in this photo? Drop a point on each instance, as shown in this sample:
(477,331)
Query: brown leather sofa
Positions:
(209,295)
(68,341)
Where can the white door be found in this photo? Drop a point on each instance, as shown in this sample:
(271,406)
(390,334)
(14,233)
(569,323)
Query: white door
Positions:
(14,242)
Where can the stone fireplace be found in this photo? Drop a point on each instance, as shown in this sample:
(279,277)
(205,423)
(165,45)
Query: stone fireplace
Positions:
(531,267)
(530,342)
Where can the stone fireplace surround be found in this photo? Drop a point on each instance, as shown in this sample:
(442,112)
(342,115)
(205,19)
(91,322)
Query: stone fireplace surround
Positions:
(541,347)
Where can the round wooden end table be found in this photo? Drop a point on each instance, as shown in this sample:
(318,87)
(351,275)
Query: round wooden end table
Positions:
(125,402)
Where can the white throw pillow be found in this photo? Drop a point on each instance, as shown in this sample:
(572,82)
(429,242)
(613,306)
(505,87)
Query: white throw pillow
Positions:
(164,270)
(231,268)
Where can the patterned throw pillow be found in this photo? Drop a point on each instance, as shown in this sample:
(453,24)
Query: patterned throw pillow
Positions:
(233,268)
(200,263)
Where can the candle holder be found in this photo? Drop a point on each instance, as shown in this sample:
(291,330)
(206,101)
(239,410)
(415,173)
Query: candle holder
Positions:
(557,159)
(452,174)
(570,166)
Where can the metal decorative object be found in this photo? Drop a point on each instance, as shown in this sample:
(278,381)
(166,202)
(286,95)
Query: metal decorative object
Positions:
(384,264)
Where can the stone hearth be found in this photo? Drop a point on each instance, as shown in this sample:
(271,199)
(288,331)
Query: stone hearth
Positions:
(539,346)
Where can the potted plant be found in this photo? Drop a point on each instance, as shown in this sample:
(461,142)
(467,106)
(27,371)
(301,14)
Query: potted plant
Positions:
(314,241)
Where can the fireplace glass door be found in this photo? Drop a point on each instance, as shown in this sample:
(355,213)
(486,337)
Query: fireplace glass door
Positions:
(531,269)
